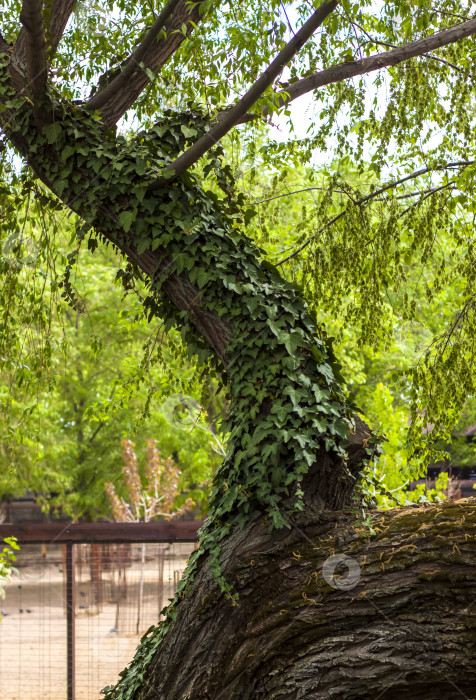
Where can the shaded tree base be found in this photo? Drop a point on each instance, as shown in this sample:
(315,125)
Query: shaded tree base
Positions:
(397,620)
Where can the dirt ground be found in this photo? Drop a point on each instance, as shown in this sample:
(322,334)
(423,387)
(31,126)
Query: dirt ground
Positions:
(33,649)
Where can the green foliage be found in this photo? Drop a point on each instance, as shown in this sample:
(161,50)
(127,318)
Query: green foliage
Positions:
(396,467)
(7,560)
(391,275)
(388,225)
(286,403)
(104,376)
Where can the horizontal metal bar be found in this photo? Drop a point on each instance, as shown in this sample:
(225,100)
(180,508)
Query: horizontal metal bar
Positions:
(157,531)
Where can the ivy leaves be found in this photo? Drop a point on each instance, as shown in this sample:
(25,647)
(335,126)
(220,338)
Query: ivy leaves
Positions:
(286,403)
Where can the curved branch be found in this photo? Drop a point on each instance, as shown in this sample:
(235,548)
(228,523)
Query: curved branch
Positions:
(153,56)
(344,71)
(200,147)
(154,34)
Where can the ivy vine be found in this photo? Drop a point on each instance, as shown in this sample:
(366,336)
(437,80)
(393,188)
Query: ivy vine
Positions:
(281,376)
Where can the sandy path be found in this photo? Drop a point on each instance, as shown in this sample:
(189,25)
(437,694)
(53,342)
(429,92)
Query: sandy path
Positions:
(33,642)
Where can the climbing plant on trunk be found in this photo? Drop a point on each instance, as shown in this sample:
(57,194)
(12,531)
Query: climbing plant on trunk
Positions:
(294,444)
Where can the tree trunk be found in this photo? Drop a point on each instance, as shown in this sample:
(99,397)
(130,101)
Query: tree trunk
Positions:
(399,622)
(293,446)
(287,409)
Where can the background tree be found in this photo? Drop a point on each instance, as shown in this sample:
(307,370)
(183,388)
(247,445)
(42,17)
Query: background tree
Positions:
(157,498)
(7,560)
(295,451)
(64,415)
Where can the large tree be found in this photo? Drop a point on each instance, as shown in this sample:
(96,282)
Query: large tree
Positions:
(262,611)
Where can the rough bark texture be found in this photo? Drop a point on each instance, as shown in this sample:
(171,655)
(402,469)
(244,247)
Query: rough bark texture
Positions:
(407,629)
(408,625)
(59,12)
(158,54)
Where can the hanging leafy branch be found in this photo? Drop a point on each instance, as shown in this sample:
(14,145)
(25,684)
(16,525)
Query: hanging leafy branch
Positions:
(351,69)
(7,561)
(376,194)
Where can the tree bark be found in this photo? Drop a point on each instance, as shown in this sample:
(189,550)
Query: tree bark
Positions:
(403,627)
(406,629)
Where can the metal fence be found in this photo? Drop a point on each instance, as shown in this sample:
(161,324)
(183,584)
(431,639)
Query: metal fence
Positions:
(83,597)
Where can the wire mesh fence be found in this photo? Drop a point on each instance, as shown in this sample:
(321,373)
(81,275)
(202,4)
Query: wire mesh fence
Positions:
(117,592)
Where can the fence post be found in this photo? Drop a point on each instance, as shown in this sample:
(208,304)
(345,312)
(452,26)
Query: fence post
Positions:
(70,617)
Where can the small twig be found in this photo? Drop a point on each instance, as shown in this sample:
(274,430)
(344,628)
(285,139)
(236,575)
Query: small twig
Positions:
(428,194)
(430,56)
(373,195)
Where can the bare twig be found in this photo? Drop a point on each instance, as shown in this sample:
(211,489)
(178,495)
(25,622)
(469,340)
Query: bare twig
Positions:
(375,194)
(233,116)
(416,193)
(429,193)
(429,56)
(449,14)
(287,194)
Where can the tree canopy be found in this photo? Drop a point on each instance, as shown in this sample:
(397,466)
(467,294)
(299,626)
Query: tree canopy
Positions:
(131,127)
(391,93)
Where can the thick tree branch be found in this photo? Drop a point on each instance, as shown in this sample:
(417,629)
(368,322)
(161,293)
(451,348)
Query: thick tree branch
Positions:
(397,618)
(57,16)
(344,71)
(231,118)
(31,17)
(61,11)
(121,79)
(152,53)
